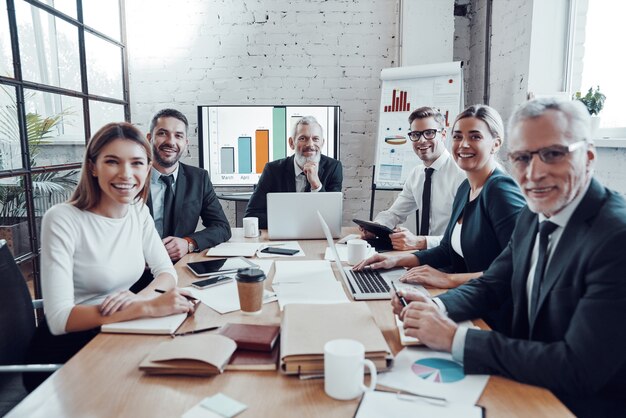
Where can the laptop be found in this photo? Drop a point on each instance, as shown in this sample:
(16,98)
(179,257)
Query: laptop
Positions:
(294,215)
(368,284)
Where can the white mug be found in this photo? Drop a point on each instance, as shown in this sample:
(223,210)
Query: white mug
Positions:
(357,250)
(250,227)
(344,362)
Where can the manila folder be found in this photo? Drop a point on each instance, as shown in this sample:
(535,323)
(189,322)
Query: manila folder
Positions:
(200,354)
(307,327)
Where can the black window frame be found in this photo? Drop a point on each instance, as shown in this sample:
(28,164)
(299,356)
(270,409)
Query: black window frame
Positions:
(19,84)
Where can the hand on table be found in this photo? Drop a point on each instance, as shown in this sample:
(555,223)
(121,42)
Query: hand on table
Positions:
(176,247)
(172,302)
(118,301)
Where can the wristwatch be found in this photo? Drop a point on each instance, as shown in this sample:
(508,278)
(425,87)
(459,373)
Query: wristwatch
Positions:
(191,245)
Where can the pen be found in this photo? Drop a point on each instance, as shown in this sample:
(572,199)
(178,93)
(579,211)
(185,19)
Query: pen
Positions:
(399,295)
(195,331)
(191,298)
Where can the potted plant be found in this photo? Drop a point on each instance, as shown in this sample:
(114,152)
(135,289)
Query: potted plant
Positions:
(594,102)
(13,223)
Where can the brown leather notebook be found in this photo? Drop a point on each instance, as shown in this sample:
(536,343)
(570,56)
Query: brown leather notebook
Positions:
(252,337)
(254,360)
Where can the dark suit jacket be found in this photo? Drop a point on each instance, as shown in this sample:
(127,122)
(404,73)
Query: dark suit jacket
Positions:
(488,223)
(576,344)
(279,177)
(194,199)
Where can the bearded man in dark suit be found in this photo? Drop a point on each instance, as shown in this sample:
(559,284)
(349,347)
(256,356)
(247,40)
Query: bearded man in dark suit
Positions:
(306,171)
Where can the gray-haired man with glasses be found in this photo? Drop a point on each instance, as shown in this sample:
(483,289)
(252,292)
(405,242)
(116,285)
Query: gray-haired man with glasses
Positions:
(430,188)
(564,271)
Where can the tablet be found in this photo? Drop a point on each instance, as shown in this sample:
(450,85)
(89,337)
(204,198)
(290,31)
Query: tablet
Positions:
(376,229)
(219,266)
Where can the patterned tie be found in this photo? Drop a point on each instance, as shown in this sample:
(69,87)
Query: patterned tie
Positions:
(424,224)
(546,228)
(168,205)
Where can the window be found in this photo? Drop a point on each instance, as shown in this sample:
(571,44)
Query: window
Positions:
(55,69)
(596,33)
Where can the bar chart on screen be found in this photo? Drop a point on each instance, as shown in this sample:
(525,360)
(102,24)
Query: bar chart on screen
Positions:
(236,142)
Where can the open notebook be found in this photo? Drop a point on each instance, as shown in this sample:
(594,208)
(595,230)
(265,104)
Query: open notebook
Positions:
(162,325)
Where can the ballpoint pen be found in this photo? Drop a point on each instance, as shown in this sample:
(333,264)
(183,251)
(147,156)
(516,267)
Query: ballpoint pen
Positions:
(399,295)
(195,331)
(191,298)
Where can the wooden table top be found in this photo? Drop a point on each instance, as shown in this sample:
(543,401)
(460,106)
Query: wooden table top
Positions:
(103,379)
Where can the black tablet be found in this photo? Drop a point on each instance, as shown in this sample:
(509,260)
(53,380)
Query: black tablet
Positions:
(376,229)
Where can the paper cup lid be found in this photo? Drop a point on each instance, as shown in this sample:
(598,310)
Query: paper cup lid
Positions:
(250,275)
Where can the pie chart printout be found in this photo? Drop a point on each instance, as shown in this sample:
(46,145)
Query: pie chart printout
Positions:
(438,370)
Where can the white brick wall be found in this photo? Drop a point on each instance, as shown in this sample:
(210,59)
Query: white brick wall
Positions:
(267,52)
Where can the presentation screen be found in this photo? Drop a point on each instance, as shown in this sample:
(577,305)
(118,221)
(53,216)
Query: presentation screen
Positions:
(237,141)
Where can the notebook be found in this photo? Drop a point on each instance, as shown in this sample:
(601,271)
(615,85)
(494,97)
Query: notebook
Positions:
(292,215)
(197,355)
(367,284)
(161,325)
(306,328)
(251,336)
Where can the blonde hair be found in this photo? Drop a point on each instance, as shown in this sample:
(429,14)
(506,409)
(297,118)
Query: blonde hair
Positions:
(487,114)
(88,193)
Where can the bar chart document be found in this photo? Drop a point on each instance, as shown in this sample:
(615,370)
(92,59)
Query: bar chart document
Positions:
(237,141)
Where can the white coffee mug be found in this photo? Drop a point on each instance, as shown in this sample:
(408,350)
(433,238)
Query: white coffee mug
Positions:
(344,362)
(357,250)
(250,227)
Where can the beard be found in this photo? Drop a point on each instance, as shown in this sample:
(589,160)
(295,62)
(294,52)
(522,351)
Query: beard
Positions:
(166,162)
(301,159)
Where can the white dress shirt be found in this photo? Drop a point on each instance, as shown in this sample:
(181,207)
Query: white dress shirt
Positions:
(301,179)
(157,193)
(445,181)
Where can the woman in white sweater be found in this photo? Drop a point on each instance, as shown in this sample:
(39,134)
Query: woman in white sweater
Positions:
(95,246)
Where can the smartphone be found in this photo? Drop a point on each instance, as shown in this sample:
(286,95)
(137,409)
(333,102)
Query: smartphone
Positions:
(213,281)
(281,251)
(219,266)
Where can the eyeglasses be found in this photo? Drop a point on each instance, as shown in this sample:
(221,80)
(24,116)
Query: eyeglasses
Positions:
(549,155)
(428,134)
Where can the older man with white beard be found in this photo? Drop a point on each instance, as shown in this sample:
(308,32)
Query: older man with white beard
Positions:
(307,171)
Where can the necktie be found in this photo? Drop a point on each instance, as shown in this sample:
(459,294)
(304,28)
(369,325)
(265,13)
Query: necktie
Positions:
(168,205)
(424,224)
(545,229)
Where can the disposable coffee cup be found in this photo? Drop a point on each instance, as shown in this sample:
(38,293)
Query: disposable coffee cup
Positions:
(250,289)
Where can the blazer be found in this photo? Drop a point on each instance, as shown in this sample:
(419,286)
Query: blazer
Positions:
(488,223)
(279,177)
(195,199)
(575,345)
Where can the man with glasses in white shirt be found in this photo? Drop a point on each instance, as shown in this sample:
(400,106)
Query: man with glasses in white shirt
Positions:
(564,270)
(429,189)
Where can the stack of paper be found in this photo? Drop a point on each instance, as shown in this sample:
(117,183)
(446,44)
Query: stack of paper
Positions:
(391,404)
(311,282)
(306,328)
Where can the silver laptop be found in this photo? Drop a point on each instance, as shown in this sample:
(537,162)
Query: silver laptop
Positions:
(294,215)
(368,284)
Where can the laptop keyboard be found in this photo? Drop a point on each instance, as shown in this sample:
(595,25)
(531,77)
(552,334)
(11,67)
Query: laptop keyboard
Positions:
(370,281)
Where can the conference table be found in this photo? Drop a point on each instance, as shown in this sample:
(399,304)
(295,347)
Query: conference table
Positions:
(103,379)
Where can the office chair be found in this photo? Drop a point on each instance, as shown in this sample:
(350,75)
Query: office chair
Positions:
(17,327)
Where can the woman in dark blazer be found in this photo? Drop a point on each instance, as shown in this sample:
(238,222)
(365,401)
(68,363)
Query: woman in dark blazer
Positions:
(484,211)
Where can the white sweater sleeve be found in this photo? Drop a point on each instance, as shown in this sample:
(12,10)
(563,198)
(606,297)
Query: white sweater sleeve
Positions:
(153,249)
(59,233)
